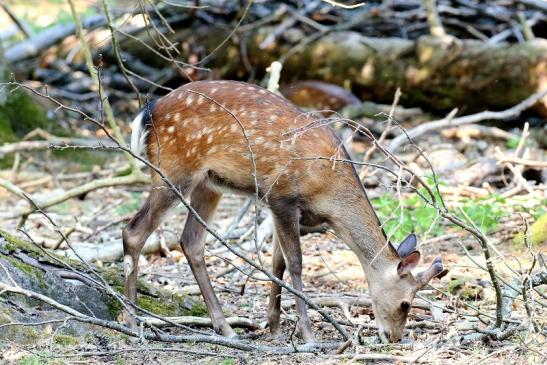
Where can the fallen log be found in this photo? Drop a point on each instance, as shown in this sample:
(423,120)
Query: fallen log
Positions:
(35,45)
(468,74)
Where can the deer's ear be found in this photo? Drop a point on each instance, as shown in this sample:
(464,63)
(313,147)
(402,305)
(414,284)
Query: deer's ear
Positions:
(408,263)
(408,246)
(435,269)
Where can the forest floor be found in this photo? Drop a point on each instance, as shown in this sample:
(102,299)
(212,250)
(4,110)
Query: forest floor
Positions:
(331,271)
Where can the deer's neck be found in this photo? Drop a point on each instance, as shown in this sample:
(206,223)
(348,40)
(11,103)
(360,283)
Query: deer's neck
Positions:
(355,221)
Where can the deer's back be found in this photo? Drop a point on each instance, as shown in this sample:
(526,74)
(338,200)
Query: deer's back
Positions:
(216,129)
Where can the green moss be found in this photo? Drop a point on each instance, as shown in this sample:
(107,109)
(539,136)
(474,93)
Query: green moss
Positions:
(20,114)
(21,334)
(6,133)
(162,306)
(13,243)
(198,310)
(538,232)
(65,340)
(127,171)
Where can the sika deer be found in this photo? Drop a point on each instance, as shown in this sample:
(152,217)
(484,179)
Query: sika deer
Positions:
(200,134)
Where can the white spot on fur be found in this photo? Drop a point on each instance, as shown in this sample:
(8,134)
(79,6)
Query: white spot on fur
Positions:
(189,100)
(213,90)
(262,91)
(213,149)
(210,138)
(259,140)
(201,99)
(234,128)
(213,108)
(171,129)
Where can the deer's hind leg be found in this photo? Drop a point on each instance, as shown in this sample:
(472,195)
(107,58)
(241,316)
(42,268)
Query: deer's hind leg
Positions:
(135,235)
(204,201)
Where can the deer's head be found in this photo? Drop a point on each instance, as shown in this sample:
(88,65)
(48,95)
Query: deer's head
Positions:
(393,288)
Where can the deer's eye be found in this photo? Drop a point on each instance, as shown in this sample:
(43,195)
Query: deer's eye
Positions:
(405,306)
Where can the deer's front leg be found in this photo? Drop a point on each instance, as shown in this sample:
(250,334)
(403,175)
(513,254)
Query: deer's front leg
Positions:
(274,305)
(288,231)
(192,241)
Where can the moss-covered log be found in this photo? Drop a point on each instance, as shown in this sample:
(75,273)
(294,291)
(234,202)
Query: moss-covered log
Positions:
(32,269)
(431,72)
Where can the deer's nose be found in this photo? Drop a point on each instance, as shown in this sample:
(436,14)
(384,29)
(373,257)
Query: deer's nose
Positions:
(394,337)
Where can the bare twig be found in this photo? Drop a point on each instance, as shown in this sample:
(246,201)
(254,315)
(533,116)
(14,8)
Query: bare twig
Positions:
(450,121)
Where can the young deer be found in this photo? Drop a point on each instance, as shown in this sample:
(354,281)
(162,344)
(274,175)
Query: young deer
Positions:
(201,136)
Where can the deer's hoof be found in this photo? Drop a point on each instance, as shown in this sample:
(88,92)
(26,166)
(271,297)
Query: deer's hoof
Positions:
(129,320)
(276,337)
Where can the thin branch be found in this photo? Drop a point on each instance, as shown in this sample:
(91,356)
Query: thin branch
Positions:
(449,121)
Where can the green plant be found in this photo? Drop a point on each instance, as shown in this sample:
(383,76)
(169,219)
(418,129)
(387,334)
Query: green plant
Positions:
(417,216)
(31,360)
(484,213)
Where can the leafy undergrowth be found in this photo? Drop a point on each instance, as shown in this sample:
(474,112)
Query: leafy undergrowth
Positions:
(412,214)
